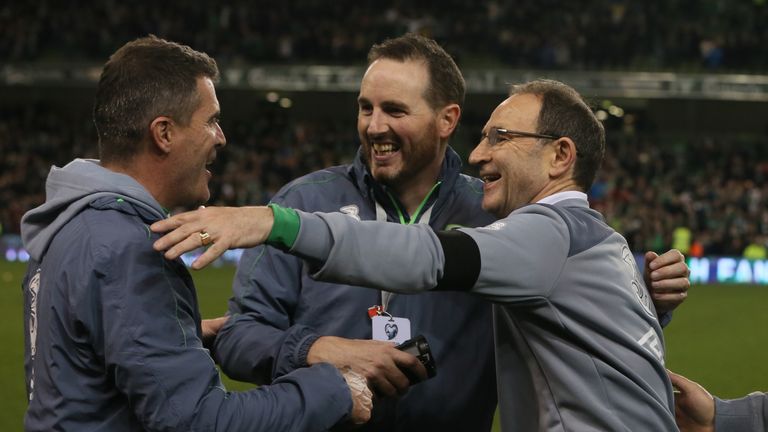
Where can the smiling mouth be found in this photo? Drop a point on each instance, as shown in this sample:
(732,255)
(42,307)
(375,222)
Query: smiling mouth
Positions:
(208,165)
(384,149)
(211,160)
(489,178)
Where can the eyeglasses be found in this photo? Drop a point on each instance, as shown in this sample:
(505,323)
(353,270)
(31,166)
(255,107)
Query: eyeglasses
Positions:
(506,134)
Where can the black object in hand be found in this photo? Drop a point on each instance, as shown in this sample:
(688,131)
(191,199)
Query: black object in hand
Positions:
(419,347)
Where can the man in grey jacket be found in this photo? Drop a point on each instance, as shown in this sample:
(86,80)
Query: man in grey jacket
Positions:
(409,104)
(696,410)
(578,342)
(113,334)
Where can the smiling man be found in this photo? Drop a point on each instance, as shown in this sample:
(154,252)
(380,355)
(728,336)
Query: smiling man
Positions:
(113,335)
(405,172)
(579,346)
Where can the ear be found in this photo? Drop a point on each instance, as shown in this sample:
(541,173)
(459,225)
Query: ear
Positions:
(160,134)
(448,120)
(563,157)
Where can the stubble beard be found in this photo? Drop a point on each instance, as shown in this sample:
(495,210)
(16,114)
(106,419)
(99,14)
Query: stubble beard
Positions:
(414,161)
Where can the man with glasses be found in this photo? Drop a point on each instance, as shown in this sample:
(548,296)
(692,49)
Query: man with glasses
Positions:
(577,338)
(405,172)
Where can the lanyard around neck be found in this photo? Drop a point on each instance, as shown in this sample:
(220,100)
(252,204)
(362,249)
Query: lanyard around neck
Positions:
(420,216)
(419,209)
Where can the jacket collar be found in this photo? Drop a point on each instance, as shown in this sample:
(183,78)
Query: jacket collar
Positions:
(371,189)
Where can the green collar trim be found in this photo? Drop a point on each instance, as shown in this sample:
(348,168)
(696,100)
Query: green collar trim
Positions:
(419,209)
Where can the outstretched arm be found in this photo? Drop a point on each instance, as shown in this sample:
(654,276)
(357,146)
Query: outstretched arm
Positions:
(231,227)
(227,228)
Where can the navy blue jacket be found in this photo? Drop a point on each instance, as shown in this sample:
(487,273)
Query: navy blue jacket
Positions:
(113,328)
(278,311)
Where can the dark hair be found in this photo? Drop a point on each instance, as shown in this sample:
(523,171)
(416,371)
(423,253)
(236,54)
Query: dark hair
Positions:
(564,113)
(446,84)
(144,79)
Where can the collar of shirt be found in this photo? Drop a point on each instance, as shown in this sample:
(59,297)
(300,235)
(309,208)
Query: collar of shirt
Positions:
(561,196)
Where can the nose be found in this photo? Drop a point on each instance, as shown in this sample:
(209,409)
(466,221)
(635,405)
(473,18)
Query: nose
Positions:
(222,140)
(377,123)
(481,153)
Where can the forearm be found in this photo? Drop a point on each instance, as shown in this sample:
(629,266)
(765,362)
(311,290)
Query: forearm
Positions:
(252,351)
(166,396)
(314,398)
(262,341)
(393,257)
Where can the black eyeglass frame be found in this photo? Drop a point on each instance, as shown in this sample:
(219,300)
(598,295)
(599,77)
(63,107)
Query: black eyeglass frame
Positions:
(494,133)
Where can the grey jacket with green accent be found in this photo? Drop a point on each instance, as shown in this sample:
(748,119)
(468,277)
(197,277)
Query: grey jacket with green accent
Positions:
(578,343)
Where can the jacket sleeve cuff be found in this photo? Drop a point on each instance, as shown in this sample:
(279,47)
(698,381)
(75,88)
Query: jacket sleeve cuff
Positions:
(738,414)
(285,228)
(304,347)
(294,351)
(326,395)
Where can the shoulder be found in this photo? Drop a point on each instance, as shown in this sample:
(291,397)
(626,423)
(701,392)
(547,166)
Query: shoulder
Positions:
(464,203)
(529,216)
(585,226)
(530,222)
(468,192)
(110,232)
(330,184)
(469,185)
(98,246)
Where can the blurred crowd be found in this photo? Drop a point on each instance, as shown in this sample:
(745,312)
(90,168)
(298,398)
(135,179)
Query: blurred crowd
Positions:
(612,34)
(708,196)
(702,195)
(264,154)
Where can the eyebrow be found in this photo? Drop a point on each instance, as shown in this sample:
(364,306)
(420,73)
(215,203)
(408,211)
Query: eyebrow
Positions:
(395,105)
(388,104)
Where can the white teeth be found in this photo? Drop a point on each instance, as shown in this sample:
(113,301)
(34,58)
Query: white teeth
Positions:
(383,148)
(490,178)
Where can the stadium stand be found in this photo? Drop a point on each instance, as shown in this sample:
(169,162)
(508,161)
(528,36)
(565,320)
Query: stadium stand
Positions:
(675,34)
(703,192)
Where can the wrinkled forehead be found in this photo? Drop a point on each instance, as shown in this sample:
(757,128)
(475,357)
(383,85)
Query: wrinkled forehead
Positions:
(517,112)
